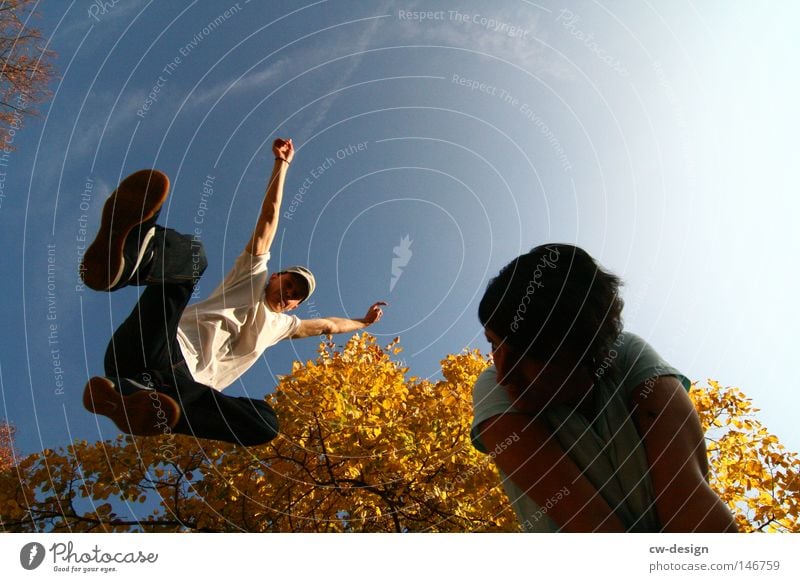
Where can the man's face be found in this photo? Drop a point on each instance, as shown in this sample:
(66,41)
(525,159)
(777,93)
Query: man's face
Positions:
(284,292)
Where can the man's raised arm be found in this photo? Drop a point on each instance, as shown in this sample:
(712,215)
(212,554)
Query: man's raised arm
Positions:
(267,224)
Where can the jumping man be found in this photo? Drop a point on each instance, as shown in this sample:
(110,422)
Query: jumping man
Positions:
(167,364)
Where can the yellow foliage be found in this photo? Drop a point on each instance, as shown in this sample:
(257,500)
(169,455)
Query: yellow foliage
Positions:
(363,448)
(7,453)
(750,470)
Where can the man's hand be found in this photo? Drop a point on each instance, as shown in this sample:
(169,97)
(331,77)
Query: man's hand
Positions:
(374,313)
(267,225)
(283,149)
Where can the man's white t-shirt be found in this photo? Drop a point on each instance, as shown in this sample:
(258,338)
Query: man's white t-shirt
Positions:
(222,336)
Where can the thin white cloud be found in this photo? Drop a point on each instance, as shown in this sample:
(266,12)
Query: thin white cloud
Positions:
(301,60)
(231,87)
(363,43)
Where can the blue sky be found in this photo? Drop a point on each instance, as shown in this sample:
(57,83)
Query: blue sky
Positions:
(661,138)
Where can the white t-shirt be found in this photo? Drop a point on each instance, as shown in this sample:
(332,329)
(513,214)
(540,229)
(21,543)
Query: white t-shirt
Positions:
(222,336)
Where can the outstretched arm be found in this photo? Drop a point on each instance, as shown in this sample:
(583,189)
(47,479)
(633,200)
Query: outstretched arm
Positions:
(267,224)
(334,325)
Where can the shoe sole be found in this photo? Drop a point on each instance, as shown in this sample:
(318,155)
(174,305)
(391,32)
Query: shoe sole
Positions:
(143,413)
(137,199)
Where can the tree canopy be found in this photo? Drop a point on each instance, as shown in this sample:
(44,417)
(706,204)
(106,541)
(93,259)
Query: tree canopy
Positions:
(25,67)
(7,453)
(750,469)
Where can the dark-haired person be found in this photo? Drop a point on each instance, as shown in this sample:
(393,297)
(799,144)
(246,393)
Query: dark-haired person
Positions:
(167,364)
(599,432)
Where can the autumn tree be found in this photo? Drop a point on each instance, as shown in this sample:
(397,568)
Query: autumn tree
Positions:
(750,469)
(7,452)
(25,67)
(364,448)
(369,450)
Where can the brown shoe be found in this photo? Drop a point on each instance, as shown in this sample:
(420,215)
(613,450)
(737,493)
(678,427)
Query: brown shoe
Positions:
(126,226)
(134,408)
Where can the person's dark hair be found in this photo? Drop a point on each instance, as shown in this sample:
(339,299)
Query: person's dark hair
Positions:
(555,298)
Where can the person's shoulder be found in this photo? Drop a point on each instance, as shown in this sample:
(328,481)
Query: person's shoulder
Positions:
(277,326)
(247,265)
(485,384)
(248,259)
(489,397)
(630,348)
(639,361)
(633,348)
(629,341)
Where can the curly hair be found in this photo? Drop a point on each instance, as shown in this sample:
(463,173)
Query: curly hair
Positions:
(552,300)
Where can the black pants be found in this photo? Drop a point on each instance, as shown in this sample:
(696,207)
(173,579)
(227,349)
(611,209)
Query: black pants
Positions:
(146,342)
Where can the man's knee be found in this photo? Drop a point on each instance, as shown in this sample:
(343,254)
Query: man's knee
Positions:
(177,257)
(267,429)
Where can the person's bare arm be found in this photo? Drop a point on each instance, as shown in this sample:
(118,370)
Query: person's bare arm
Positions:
(334,325)
(267,224)
(676,451)
(538,465)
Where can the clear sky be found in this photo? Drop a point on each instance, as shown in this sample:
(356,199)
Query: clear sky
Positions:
(659,136)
